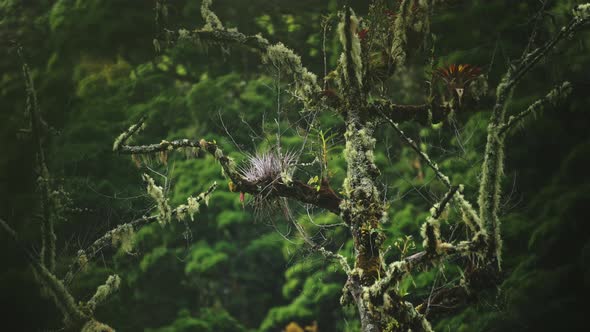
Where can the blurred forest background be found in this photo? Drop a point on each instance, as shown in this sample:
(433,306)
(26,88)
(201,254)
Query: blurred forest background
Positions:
(96,72)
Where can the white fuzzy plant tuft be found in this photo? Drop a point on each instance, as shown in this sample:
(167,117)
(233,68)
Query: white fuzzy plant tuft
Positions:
(270,167)
(266,169)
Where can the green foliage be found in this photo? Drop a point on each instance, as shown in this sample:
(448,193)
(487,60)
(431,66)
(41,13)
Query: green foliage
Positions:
(208,320)
(97,73)
(205,261)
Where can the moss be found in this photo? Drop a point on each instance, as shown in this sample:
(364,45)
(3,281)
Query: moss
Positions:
(95,326)
(123,236)
(582,12)
(193,204)
(82,260)
(430,232)
(60,295)
(211,20)
(399,43)
(490,188)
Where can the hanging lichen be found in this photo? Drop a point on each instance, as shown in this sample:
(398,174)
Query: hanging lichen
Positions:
(582,12)
(413,16)
(211,19)
(103,292)
(157,193)
(189,209)
(347,28)
(283,58)
(123,237)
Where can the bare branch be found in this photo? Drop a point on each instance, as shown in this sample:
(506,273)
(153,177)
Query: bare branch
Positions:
(424,114)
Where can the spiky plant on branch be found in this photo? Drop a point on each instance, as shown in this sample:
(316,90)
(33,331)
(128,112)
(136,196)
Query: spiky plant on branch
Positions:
(374,48)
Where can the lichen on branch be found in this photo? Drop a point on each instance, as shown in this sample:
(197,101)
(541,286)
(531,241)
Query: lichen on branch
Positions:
(157,194)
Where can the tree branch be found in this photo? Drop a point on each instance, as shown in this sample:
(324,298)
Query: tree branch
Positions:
(86,255)
(473,221)
(307,90)
(551,99)
(48,209)
(55,288)
(430,230)
(423,260)
(324,198)
(103,292)
(316,247)
(529,60)
(493,165)
(425,114)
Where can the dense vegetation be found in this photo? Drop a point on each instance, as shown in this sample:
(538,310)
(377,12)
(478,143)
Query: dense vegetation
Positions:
(235,268)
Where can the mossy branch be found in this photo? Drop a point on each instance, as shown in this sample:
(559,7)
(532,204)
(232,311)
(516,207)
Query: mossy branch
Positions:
(120,142)
(307,90)
(351,79)
(551,99)
(529,60)
(430,230)
(74,317)
(473,220)
(493,164)
(324,198)
(401,26)
(84,256)
(48,237)
(300,191)
(103,292)
(423,260)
